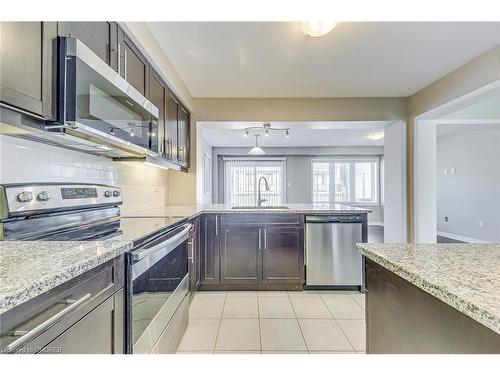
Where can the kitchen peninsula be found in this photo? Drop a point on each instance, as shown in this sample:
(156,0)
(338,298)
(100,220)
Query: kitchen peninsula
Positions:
(444,297)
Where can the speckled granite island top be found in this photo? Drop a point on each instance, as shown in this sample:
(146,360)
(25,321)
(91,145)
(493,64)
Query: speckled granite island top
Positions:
(28,269)
(465,276)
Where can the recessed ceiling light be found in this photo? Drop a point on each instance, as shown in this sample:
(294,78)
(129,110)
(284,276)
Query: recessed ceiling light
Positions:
(376,136)
(317,28)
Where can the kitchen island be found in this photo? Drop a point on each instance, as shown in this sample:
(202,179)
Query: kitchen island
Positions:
(442,297)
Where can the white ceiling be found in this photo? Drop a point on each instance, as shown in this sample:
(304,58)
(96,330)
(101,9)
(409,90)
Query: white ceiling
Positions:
(275,59)
(323,134)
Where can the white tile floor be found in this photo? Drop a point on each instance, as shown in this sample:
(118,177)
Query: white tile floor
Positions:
(275,322)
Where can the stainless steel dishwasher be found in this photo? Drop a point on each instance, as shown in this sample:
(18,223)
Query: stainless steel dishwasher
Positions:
(332,260)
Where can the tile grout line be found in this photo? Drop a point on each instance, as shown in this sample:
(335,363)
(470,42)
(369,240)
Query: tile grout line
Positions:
(220,322)
(335,319)
(345,334)
(258,318)
(298,323)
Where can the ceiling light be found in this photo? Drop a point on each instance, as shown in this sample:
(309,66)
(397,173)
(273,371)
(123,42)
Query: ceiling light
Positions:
(318,28)
(377,136)
(266,134)
(245,134)
(256,150)
(132,134)
(287,134)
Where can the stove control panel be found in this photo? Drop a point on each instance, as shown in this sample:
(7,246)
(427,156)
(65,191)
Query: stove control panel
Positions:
(21,199)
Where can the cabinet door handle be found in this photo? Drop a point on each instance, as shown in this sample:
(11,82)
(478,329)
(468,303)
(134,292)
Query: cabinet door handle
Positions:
(216,225)
(191,247)
(119,59)
(46,324)
(265,239)
(260,239)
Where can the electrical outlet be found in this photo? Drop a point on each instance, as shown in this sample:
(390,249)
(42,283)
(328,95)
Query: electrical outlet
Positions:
(481,223)
(446,219)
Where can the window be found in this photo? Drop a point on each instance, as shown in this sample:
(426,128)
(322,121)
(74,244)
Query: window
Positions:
(241,178)
(345,181)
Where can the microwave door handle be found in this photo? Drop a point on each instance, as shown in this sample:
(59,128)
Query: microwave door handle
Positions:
(125,64)
(119,59)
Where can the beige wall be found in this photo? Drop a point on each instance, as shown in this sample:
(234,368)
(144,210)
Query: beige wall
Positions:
(477,73)
(300,109)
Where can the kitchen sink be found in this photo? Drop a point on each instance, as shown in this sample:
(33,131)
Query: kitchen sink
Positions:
(260,208)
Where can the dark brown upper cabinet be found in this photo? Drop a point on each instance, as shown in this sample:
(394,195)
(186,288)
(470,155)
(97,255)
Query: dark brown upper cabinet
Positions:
(133,66)
(26,63)
(183,137)
(100,37)
(158,92)
(171,132)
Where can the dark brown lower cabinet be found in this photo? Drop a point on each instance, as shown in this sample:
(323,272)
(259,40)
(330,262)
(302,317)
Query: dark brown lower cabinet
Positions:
(240,256)
(283,255)
(91,335)
(248,251)
(209,249)
(194,266)
(402,318)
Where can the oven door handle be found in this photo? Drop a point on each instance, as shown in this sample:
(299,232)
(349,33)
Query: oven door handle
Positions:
(145,259)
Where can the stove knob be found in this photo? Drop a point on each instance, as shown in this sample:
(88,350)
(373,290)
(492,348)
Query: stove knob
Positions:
(43,196)
(107,194)
(24,196)
(116,193)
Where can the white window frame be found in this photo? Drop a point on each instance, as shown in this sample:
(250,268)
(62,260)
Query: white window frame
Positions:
(352,179)
(280,159)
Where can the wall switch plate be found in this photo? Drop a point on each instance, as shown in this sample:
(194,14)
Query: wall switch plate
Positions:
(452,170)
(445,172)
(481,223)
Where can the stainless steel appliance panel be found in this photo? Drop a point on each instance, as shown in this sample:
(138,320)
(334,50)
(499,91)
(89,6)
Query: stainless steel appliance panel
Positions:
(157,282)
(331,255)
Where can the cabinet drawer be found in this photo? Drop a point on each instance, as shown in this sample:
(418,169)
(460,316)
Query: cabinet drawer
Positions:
(259,219)
(47,316)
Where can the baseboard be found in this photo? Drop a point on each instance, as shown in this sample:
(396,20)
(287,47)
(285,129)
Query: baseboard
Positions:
(458,237)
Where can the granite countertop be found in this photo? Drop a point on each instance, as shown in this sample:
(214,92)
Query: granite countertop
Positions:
(293,208)
(30,268)
(465,276)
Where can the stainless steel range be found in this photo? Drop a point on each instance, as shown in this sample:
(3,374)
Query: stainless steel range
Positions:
(156,276)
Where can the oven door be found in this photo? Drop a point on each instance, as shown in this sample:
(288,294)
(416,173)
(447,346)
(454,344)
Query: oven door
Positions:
(96,103)
(157,284)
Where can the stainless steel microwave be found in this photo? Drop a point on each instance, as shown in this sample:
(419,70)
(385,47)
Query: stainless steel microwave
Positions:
(99,107)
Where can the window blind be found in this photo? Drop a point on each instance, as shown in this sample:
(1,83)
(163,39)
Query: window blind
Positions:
(241,178)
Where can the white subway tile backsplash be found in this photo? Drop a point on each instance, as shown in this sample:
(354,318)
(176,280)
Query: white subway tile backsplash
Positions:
(22,161)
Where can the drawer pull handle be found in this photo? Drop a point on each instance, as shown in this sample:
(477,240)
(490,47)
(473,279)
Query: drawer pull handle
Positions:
(27,335)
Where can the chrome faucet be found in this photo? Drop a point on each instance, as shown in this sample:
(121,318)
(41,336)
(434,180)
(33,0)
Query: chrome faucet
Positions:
(259,199)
